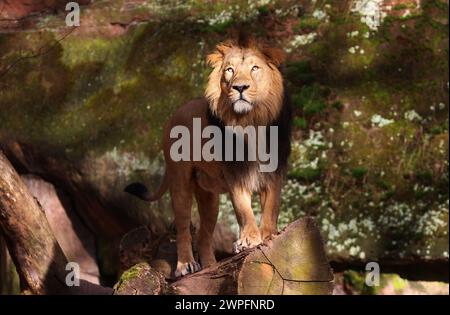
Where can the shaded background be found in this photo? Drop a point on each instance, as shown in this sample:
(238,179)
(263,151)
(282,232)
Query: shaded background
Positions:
(82,111)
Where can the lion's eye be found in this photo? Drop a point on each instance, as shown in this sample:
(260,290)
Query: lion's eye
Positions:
(255,68)
(229,70)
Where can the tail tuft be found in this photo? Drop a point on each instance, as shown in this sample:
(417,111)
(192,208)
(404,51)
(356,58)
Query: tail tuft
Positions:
(139,190)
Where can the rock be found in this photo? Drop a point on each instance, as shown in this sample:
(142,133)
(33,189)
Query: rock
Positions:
(24,14)
(352,282)
(76,241)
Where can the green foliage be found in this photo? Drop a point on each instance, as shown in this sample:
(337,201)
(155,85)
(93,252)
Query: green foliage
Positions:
(308,24)
(400,6)
(314,106)
(359,172)
(300,122)
(310,99)
(263,10)
(307,174)
(221,27)
(300,72)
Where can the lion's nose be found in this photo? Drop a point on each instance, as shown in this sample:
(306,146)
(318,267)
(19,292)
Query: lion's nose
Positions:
(240,88)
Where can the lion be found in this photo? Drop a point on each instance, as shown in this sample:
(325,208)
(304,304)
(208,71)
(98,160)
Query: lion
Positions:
(245,88)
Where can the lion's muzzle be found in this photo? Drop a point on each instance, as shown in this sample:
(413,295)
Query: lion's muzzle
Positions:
(241,106)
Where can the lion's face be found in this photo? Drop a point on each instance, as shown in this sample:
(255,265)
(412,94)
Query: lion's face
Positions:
(245,86)
(246,79)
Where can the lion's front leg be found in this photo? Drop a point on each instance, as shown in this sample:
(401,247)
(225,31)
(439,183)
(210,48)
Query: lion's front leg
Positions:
(249,235)
(270,205)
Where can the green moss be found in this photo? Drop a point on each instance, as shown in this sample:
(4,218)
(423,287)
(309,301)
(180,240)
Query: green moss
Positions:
(400,6)
(300,72)
(359,172)
(356,281)
(263,10)
(133,272)
(218,27)
(399,283)
(312,107)
(306,174)
(116,102)
(300,122)
(310,99)
(308,24)
(393,138)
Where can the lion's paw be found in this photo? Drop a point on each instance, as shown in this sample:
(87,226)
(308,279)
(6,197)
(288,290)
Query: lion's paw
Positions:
(186,268)
(245,243)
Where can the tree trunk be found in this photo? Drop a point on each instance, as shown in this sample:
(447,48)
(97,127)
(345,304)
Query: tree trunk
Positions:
(292,262)
(9,280)
(38,258)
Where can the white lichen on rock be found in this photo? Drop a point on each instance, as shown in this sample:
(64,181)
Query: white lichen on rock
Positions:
(379,121)
(412,115)
(300,40)
(371,12)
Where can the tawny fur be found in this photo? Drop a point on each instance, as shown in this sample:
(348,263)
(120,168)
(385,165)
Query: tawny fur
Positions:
(207,180)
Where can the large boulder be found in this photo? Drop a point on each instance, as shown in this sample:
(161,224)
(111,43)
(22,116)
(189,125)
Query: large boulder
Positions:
(75,239)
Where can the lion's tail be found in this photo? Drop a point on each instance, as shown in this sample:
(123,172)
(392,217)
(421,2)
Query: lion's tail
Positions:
(140,190)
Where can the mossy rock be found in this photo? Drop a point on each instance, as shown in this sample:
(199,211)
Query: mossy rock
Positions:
(140,279)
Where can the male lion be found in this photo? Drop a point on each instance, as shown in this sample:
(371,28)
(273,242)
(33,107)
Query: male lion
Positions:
(244,89)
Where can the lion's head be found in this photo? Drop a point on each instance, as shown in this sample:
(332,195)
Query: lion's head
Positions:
(245,86)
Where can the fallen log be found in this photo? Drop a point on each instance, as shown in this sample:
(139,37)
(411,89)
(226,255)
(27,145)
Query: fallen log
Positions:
(292,262)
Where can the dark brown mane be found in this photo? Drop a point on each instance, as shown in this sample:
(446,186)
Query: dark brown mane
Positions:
(242,170)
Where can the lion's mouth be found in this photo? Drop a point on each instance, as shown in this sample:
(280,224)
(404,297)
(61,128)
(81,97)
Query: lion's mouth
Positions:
(242,106)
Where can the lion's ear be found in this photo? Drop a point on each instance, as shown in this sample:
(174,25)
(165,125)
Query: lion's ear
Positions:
(216,57)
(274,55)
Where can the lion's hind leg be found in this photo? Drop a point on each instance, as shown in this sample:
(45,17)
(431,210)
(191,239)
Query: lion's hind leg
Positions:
(208,207)
(182,206)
